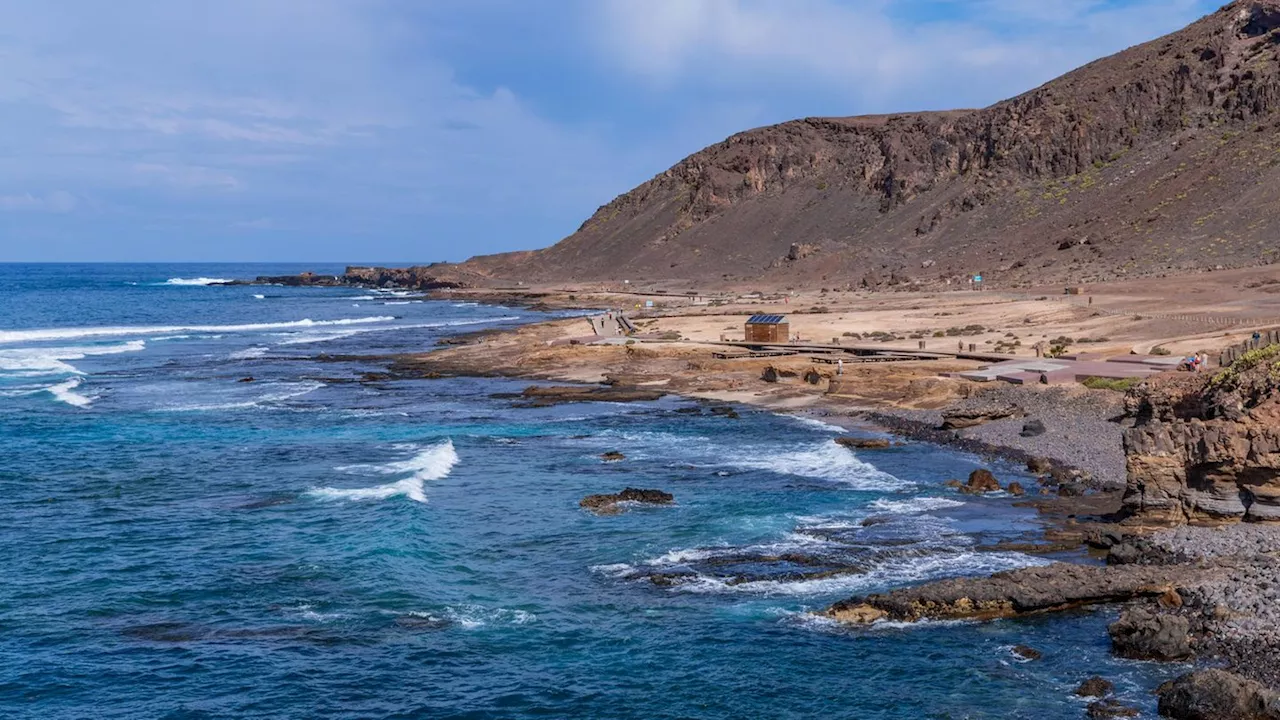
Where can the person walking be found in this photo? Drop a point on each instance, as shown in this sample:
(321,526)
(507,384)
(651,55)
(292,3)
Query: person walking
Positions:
(839,368)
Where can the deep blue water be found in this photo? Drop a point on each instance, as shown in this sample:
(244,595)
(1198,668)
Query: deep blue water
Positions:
(180,544)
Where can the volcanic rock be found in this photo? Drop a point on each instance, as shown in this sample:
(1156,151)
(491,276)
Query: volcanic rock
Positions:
(1026,652)
(854,443)
(1206,448)
(960,418)
(613,504)
(1110,708)
(1140,634)
(1217,695)
(1096,686)
(1017,592)
(1033,428)
(981,481)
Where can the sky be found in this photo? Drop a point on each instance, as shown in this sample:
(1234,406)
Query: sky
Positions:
(413,131)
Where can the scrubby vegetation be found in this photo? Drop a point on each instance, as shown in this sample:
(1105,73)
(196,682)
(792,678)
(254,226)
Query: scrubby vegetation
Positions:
(1122,385)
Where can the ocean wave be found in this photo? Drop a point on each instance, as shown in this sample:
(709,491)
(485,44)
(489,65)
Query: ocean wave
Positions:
(816,424)
(46,334)
(38,361)
(914,505)
(471,617)
(307,339)
(195,281)
(259,297)
(249,353)
(906,570)
(65,392)
(822,461)
(289,391)
(433,463)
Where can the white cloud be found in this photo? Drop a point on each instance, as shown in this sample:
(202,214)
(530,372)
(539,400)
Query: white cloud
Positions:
(891,56)
(58,201)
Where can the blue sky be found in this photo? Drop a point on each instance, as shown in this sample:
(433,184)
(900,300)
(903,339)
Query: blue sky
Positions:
(414,131)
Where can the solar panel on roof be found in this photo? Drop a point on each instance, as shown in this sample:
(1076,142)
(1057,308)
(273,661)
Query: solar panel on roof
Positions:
(766,319)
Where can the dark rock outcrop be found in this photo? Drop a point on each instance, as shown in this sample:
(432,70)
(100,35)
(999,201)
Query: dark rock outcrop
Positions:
(614,504)
(1017,592)
(1140,634)
(960,418)
(1096,686)
(1217,695)
(1110,708)
(981,481)
(1033,428)
(855,443)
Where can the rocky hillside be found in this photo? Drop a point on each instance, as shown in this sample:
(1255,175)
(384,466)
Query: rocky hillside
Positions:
(1163,157)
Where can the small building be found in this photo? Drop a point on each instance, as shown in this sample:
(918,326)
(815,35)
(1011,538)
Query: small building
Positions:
(768,329)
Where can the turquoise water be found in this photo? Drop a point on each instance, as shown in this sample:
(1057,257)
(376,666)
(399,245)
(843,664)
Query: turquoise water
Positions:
(180,544)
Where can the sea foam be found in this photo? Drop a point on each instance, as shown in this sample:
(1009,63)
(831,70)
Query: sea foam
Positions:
(38,361)
(65,392)
(433,463)
(195,281)
(46,334)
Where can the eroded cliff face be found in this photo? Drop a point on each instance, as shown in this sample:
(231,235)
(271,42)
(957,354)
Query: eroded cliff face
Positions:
(1206,448)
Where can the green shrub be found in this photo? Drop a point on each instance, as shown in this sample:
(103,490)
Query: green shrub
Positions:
(1097,383)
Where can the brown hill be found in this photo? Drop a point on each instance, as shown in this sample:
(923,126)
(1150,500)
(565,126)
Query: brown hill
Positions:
(1162,157)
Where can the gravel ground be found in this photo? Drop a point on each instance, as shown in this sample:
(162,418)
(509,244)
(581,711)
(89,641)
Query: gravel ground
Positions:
(1239,616)
(1079,431)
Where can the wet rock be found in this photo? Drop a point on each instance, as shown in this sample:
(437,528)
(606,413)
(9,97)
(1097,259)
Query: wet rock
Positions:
(1071,489)
(863,443)
(1027,652)
(1096,686)
(725,411)
(245,380)
(1110,708)
(614,504)
(1059,586)
(1140,634)
(981,481)
(538,396)
(1015,489)
(1033,428)
(613,456)
(1217,695)
(1039,465)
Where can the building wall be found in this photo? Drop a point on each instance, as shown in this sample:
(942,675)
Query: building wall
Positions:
(764,333)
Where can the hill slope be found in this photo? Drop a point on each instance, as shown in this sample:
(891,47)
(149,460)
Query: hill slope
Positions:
(1163,157)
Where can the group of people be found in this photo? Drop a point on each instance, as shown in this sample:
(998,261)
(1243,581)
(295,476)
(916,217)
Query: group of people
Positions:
(1194,363)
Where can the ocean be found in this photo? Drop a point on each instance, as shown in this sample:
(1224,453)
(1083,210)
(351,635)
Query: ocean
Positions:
(183,542)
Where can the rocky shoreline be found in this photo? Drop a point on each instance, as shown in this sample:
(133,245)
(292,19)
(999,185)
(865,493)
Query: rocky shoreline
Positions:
(1207,593)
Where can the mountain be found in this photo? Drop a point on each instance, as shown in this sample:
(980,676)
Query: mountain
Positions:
(1162,158)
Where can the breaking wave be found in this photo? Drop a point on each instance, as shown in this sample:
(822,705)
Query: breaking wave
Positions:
(65,392)
(195,281)
(44,334)
(822,461)
(433,463)
(38,361)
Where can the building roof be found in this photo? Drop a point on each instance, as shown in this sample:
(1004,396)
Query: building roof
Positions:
(767,319)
